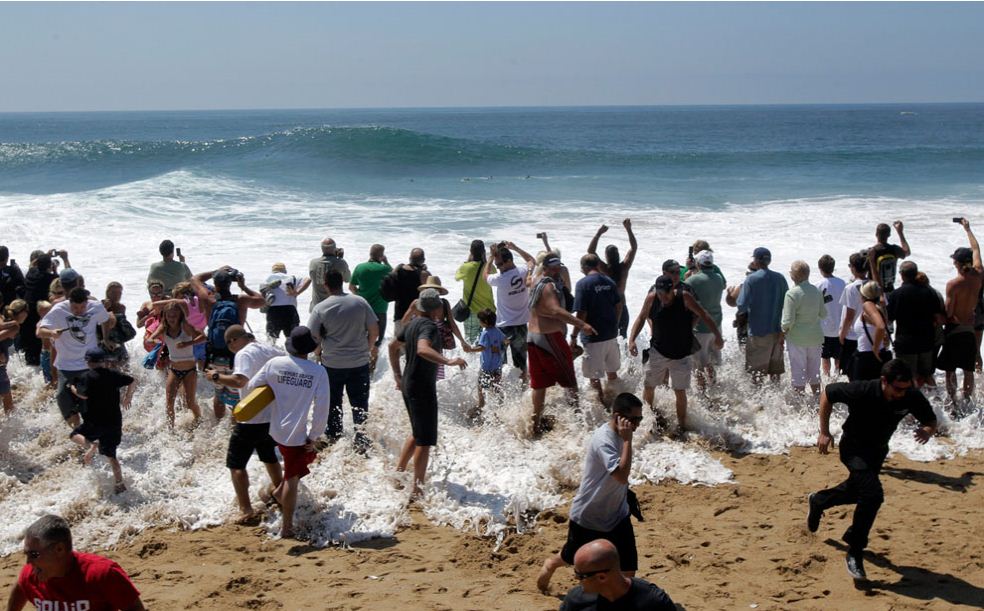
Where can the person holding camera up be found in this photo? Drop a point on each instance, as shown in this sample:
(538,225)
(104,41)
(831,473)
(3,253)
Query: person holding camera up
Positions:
(223,309)
(168,271)
(332,258)
(960,344)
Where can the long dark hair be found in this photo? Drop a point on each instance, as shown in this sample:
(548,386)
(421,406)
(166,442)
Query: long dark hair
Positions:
(476,252)
(613,263)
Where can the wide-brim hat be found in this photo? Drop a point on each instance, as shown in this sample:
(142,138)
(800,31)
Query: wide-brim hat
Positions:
(433,282)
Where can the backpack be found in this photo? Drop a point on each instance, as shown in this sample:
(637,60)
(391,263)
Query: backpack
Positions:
(389,288)
(885,268)
(225,313)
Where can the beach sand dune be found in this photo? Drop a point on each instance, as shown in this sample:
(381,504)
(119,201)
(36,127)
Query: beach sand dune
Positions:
(739,546)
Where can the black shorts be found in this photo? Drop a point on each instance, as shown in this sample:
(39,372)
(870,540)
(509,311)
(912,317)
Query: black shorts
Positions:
(848,349)
(622,536)
(831,348)
(281,319)
(109,437)
(421,402)
(959,351)
(490,379)
(245,439)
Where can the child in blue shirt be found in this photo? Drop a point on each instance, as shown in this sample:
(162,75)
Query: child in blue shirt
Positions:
(492,344)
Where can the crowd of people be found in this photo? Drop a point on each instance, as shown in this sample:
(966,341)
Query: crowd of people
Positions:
(517,308)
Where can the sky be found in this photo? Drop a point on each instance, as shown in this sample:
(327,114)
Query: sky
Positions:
(169,56)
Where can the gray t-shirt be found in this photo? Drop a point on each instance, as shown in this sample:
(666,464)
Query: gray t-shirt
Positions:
(600,500)
(317,270)
(342,323)
(169,272)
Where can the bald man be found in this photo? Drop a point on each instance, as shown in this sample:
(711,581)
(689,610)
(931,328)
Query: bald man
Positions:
(603,586)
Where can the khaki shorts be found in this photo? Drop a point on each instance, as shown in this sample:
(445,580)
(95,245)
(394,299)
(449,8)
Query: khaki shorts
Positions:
(600,358)
(658,366)
(763,354)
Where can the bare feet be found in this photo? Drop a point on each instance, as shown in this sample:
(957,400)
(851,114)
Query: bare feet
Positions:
(87,458)
(543,579)
(248,518)
(119,487)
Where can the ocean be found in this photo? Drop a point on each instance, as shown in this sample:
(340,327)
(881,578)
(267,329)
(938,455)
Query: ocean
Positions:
(250,188)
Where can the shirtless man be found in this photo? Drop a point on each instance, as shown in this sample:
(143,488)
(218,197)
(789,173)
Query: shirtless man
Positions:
(551,359)
(617,270)
(960,346)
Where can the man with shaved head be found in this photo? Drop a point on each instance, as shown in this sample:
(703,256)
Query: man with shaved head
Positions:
(603,586)
(332,258)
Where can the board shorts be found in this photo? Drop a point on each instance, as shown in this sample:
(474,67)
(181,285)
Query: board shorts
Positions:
(421,403)
(247,438)
(108,437)
(763,354)
(622,537)
(959,349)
(600,358)
(490,380)
(281,319)
(517,336)
(831,348)
(709,354)
(658,367)
(296,460)
(922,364)
(551,361)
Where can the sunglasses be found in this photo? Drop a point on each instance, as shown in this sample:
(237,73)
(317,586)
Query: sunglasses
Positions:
(35,554)
(588,575)
(632,419)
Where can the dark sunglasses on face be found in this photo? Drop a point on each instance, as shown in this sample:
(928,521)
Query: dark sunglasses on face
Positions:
(588,575)
(35,554)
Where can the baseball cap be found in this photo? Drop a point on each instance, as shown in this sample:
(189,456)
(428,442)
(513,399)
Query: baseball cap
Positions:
(69,278)
(300,342)
(551,261)
(704,258)
(762,254)
(960,255)
(429,300)
(663,283)
(670,264)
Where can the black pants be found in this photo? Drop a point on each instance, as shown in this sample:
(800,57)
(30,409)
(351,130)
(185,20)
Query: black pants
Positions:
(862,487)
(354,381)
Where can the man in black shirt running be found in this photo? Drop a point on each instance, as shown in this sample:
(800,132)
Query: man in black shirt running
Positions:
(875,409)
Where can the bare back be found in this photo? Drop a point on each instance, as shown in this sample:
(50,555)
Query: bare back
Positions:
(961,297)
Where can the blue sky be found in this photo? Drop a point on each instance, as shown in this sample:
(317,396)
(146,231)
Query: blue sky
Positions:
(117,56)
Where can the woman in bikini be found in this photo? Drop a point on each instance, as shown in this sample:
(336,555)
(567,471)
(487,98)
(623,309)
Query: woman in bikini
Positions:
(180,338)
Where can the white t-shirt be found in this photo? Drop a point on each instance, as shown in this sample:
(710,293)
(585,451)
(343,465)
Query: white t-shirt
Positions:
(247,363)
(600,502)
(296,383)
(280,296)
(834,287)
(511,297)
(851,298)
(80,332)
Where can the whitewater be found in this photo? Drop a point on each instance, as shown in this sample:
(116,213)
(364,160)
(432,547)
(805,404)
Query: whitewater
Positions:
(252,188)
(485,479)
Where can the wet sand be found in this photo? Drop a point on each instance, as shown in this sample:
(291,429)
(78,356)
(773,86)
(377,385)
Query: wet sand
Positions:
(739,546)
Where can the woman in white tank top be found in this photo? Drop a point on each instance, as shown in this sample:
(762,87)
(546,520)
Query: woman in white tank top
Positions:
(180,338)
(873,339)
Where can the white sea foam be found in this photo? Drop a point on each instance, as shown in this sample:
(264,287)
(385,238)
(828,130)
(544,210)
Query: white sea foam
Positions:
(483,479)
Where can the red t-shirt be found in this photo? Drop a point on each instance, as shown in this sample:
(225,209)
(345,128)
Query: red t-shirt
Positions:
(93,583)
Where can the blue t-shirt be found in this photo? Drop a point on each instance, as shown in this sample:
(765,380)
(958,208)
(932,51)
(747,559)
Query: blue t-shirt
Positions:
(489,339)
(762,297)
(597,295)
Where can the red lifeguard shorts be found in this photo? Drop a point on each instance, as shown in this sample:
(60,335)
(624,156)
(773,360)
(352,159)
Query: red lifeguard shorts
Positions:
(296,460)
(554,367)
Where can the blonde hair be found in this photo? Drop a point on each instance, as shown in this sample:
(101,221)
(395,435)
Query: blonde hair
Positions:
(179,289)
(56,287)
(43,307)
(16,307)
(871,291)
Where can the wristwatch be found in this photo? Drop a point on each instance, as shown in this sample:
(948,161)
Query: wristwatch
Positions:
(215,376)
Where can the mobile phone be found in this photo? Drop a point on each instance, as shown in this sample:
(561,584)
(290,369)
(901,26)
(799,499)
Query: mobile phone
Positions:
(178,250)
(958,219)
(690,252)
(540,235)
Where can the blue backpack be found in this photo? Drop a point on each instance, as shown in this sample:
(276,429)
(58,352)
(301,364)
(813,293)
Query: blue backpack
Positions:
(225,313)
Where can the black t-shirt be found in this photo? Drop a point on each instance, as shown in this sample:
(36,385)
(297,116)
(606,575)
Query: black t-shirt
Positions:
(102,387)
(419,370)
(37,284)
(871,420)
(913,307)
(885,271)
(407,283)
(642,596)
(11,283)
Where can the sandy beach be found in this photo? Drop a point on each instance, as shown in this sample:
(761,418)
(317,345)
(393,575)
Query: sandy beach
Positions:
(739,546)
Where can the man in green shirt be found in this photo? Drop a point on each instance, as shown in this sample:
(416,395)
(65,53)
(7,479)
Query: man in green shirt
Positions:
(168,271)
(708,285)
(365,281)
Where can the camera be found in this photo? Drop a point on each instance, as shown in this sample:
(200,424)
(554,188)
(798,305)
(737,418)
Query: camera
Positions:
(540,235)
(958,219)
(235,274)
